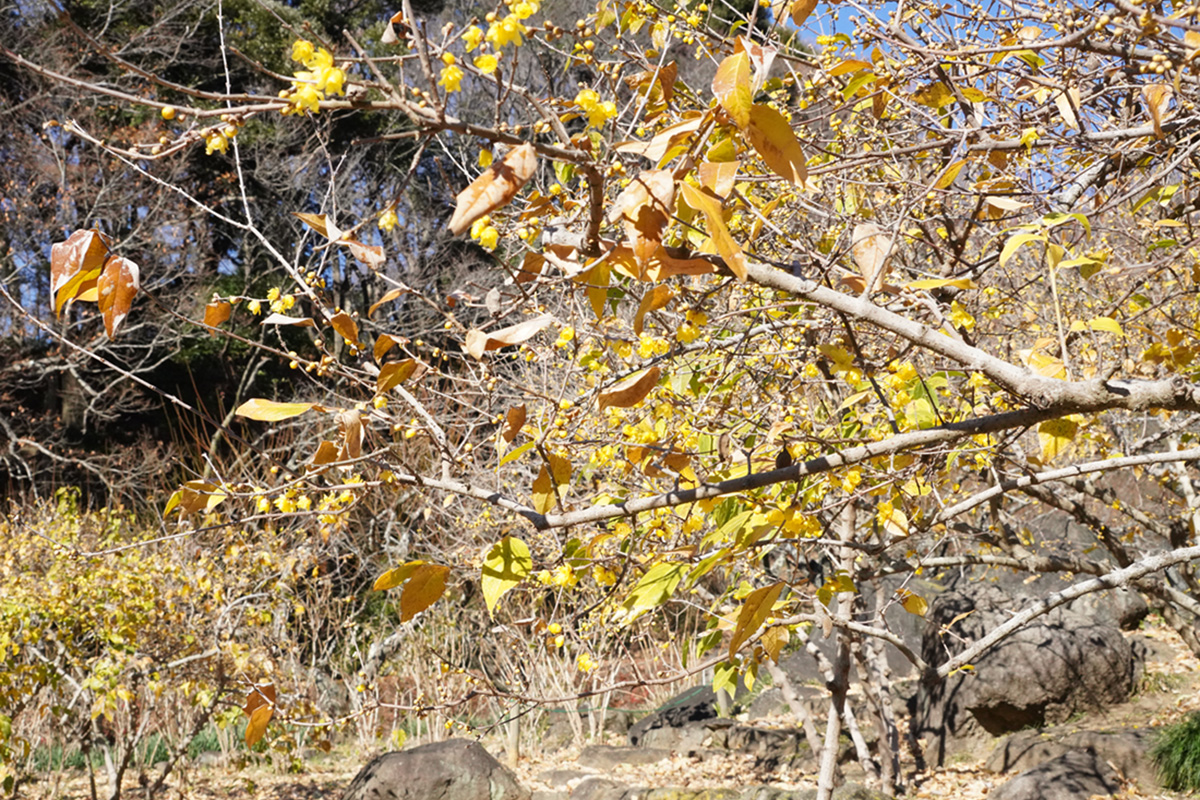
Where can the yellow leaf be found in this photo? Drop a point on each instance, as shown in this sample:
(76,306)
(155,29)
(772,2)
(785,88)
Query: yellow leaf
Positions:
(754,612)
(396,576)
(914,604)
(423,588)
(506,565)
(1044,364)
(774,639)
(771,135)
(667,141)
(718,176)
(1107,324)
(76,263)
(1056,436)
(1157,97)
(731,85)
(726,247)
(850,65)
(949,175)
(543,491)
(937,283)
(284,319)
(321,223)
(271,411)
(479,342)
(353,433)
(1014,243)
(495,188)
(630,391)
(383,343)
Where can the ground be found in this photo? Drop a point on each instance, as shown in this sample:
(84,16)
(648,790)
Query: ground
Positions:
(1170,690)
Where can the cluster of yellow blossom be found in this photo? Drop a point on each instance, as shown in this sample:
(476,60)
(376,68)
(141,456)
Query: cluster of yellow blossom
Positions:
(312,85)
(452,74)
(280,302)
(598,112)
(585,662)
(483,230)
(388,220)
(217,139)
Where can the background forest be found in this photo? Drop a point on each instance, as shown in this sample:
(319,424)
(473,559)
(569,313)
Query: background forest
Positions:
(380,372)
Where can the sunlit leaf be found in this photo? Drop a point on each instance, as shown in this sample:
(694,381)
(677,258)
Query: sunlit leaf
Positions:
(327,453)
(773,138)
(388,296)
(774,639)
(1056,436)
(75,263)
(1015,242)
(371,255)
(506,565)
(117,286)
(644,207)
(321,223)
(871,246)
(479,342)
(669,139)
(396,576)
(1157,97)
(352,431)
(755,610)
(271,411)
(423,588)
(914,603)
(654,589)
(725,246)
(259,707)
(495,188)
(731,85)
(283,319)
(800,10)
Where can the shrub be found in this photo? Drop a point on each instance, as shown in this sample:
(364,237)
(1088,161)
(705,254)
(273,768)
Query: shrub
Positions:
(1177,755)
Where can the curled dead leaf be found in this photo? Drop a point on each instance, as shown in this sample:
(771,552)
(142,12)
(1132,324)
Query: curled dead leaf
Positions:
(496,187)
(479,342)
(117,286)
(630,391)
(871,247)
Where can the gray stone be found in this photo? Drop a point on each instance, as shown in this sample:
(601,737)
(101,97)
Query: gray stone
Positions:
(604,757)
(1076,775)
(765,743)
(768,704)
(1060,665)
(599,789)
(1127,750)
(561,777)
(456,769)
(550,794)
(691,705)
(688,738)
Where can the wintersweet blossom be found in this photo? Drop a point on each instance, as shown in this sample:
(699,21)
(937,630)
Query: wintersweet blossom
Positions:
(506,31)
(487,63)
(473,36)
(451,78)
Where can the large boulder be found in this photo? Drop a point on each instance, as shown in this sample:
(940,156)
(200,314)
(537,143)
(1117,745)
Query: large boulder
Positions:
(457,769)
(1127,750)
(696,704)
(1062,664)
(1077,775)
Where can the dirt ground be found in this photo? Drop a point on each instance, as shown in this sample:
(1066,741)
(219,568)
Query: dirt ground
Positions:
(1171,690)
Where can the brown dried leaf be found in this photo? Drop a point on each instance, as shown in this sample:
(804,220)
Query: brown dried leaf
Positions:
(371,255)
(652,300)
(513,422)
(321,223)
(388,296)
(630,391)
(394,373)
(871,247)
(345,326)
(1157,97)
(117,286)
(383,343)
(216,312)
(479,342)
(327,453)
(284,319)
(801,9)
(644,208)
(75,263)
(664,142)
(496,187)
(256,728)
(350,428)
(427,584)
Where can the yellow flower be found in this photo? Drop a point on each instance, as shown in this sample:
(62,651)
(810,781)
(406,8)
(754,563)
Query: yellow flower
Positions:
(485,158)
(448,59)
(254,307)
(487,63)
(525,9)
(388,220)
(505,31)
(331,81)
(565,336)
(306,96)
(598,112)
(322,60)
(302,51)
(215,141)
(473,37)
(451,78)
(585,662)
(273,293)
(489,237)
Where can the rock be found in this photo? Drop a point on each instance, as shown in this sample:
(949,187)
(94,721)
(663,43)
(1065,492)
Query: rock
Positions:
(1122,608)
(1076,775)
(692,705)
(559,734)
(765,743)
(768,704)
(599,789)
(847,791)
(603,757)
(550,794)
(687,738)
(1127,750)
(689,794)
(1060,665)
(561,777)
(456,769)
